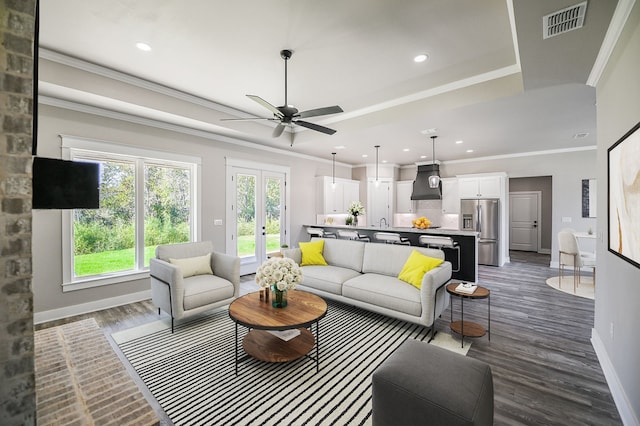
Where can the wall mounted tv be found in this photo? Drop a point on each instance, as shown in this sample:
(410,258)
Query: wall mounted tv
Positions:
(61,184)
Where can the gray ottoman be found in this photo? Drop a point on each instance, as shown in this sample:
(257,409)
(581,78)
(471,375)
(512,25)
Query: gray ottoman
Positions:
(422,384)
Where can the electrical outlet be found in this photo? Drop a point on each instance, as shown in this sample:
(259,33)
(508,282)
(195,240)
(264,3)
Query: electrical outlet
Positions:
(217,222)
(566,219)
(611,330)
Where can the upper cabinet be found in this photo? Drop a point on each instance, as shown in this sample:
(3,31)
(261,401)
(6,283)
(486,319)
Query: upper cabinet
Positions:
(450,197)
(336,198)
(481,187)
(404,203)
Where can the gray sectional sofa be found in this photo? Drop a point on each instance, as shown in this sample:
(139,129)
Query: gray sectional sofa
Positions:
(365,275)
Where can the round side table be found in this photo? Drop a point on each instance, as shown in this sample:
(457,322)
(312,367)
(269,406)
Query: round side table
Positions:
(468,328)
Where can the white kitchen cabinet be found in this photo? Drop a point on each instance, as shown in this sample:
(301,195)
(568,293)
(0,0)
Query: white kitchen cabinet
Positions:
(450,197)
(336,198)
(404,203)
(481,187)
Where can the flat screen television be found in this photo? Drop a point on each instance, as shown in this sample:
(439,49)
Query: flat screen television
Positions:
(61,184)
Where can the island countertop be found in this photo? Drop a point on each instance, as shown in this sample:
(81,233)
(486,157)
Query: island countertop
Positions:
(433,231)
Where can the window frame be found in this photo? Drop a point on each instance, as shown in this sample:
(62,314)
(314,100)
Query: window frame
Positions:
(89,149)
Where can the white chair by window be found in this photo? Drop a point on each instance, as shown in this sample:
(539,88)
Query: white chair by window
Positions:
(190,278)
(570,255)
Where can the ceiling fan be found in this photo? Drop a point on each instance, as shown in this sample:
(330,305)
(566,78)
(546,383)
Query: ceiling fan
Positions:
(288,115)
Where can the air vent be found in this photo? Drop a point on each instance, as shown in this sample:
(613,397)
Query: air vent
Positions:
(564,20)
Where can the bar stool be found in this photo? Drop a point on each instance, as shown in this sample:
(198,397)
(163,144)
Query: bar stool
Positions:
(353,235)
(391,238)
(319,233)
(440,242)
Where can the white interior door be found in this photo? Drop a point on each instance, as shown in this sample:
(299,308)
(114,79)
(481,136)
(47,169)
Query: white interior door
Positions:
(256,224)
(524,221)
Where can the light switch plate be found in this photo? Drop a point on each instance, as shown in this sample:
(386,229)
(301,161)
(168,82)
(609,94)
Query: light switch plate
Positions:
(566,219)
(217,222)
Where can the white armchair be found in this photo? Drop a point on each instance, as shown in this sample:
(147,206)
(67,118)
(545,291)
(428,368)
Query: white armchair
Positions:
(190,278)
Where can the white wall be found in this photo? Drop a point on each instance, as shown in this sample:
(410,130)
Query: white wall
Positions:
(618,282)
(47,245)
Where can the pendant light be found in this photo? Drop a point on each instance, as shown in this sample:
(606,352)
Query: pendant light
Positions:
(333,181)
(377,147)
(434,179)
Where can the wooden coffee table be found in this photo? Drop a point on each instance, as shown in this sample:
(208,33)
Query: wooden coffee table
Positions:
(302,312)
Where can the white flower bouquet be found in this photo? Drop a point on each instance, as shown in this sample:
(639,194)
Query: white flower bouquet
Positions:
(356,208)
(279,273)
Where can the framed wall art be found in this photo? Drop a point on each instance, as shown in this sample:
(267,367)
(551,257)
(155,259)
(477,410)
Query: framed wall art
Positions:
(623,197)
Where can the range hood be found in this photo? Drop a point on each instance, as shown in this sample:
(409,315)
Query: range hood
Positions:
(421,189)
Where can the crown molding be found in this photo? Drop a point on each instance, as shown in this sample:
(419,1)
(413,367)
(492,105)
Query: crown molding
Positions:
(618,21)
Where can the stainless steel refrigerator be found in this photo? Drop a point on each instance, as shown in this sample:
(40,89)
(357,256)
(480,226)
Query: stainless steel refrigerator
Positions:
(483,216)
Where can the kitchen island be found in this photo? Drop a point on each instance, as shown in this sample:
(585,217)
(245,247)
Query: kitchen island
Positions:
(464,269)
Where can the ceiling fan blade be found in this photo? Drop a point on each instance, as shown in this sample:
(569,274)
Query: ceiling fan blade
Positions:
(315,127)
(320,111)
(278,130)
(266,104)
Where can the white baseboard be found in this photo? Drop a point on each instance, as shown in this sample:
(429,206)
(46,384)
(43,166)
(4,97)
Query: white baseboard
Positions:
(84,308)
(617,391)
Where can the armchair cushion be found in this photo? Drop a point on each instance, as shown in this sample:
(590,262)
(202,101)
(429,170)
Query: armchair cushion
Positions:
(190,266)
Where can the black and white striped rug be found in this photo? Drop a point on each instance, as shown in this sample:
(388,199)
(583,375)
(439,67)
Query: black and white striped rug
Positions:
(191,373)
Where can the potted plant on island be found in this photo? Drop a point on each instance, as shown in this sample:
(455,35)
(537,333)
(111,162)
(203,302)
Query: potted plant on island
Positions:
(355,209)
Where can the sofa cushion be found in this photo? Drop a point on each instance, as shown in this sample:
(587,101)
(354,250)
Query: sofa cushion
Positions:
(190,266)
(389,259)
(327,278)
(416,266)
(312,253)
(201,290)
(384,291)
(344,253)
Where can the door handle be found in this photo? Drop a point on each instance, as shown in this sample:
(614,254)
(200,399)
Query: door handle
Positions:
(535,223)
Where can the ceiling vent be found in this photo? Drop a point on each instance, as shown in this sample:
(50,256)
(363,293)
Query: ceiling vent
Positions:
(564,20)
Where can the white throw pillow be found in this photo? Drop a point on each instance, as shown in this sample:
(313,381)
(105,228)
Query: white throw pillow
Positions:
(190,266)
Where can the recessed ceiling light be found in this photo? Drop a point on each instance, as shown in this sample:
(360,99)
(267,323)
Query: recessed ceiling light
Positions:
(458,142)
(421,57)
(423,156)
(339,147)
(364,155)
(384,161)
(406,150)
(469,150)
(429,131)
(143,46)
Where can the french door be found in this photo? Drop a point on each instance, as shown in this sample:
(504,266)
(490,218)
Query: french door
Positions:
(256,215)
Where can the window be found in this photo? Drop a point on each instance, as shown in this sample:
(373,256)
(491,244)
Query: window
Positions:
(146,199)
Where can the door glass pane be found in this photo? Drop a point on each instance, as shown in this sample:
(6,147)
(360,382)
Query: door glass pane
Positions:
(246,214)
(104,238)
(273,207)
(167,207)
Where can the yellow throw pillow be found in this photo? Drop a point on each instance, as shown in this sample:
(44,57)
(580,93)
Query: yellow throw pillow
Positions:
(312,253)
(416,266)
(190,266)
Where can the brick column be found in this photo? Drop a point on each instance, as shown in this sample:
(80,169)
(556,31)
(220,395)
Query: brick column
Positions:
(17,380)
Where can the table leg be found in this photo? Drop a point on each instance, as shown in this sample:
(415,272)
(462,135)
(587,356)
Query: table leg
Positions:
(489,317)
(236,349)
(462,320)
(317,346)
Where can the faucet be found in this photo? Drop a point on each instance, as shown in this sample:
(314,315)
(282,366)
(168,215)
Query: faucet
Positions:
(386,225)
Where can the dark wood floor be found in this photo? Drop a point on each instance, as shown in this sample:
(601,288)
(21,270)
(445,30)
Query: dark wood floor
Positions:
(545,370)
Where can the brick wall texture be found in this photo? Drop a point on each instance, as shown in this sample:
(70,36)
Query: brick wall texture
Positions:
(17,381)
